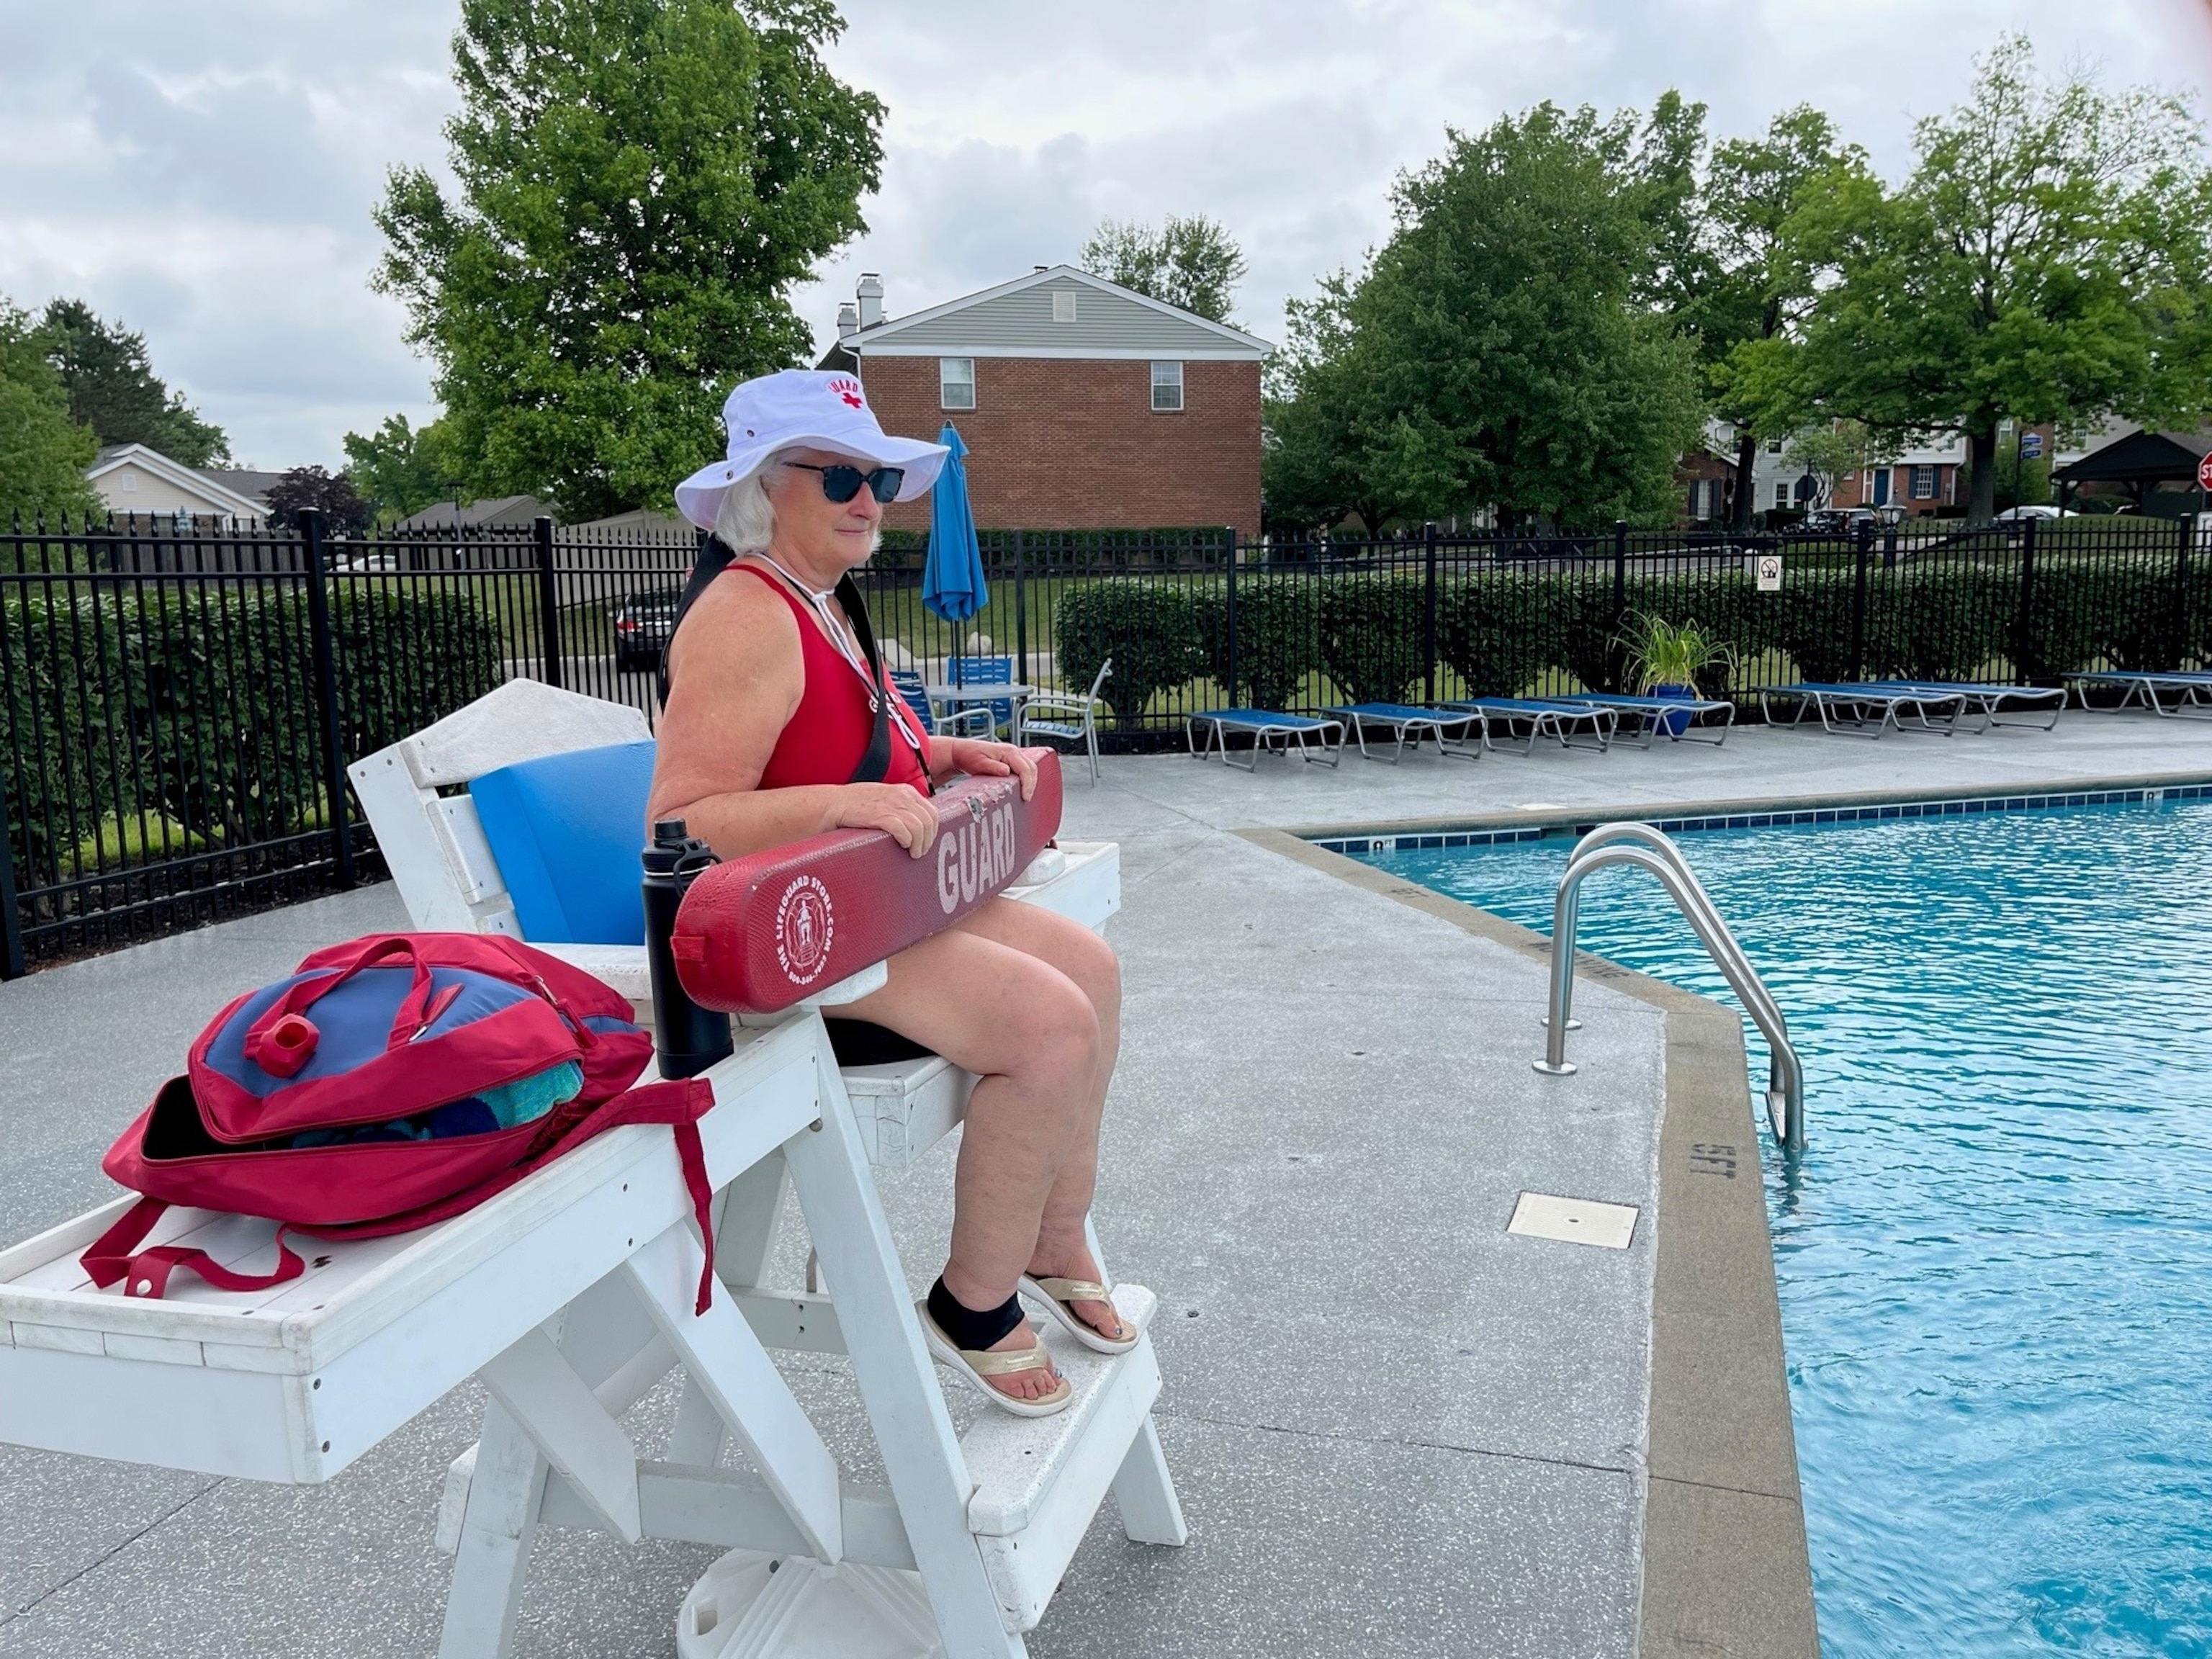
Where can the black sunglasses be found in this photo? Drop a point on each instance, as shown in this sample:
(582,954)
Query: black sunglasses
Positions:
(841,483)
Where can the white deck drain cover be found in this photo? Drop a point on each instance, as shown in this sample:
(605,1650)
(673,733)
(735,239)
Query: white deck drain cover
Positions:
(1578,1220)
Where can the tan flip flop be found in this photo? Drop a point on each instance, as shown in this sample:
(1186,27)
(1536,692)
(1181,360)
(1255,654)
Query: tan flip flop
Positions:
(1056,1293)
(972,1365)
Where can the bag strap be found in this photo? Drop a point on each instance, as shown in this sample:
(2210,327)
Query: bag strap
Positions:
(115,1255)
(305,993)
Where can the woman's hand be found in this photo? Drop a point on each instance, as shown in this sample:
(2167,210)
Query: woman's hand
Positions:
(981,758)
(900,811)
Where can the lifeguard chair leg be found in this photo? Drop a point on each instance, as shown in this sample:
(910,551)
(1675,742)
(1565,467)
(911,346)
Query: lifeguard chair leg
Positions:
(898,1381)
(1143,1489)
(497,1530)
(745,1216)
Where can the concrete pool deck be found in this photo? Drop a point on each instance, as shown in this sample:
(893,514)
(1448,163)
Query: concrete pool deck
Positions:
(1397,1428)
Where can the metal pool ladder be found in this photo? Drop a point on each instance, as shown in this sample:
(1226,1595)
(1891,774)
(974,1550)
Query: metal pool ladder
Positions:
(1640,845)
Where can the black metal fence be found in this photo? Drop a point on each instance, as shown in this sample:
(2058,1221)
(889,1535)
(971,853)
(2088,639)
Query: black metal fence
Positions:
(177,707)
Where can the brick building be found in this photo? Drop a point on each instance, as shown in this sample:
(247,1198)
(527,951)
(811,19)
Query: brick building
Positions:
(1083,405)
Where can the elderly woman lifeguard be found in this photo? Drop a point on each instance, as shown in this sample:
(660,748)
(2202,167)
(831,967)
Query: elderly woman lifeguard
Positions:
(768,723)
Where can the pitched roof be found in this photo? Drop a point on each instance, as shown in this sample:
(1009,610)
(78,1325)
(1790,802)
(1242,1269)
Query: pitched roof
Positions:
(223,496)
(1143,326)
(2144,456)
(485,510)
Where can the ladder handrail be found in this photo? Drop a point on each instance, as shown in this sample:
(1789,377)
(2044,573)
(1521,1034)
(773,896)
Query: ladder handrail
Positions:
(1653,852)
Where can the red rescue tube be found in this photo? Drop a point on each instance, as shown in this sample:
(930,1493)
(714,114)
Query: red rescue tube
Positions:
(756,934)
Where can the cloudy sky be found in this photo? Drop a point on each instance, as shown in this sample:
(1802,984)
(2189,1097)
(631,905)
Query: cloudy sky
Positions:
(206,172)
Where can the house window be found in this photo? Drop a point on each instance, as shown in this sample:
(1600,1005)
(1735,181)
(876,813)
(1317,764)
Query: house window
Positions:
(130,482)
(1924,483)
(1781,493)
(956,383)
(1063,304)
(1167,388)
(1774,447)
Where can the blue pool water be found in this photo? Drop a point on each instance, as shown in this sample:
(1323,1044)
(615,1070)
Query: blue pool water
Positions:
(1995,1254)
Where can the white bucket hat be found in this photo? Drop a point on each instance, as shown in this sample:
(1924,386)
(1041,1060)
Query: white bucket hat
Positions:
(803,408)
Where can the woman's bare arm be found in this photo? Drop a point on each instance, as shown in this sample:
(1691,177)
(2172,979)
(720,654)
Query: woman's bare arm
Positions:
(742,676)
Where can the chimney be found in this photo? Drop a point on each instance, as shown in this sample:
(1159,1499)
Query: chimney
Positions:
(849,320)
(870,294)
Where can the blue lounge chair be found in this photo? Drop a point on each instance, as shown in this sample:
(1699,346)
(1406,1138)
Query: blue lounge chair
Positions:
(962,722)
(1531,718)
(1988,699)
(1450,730)
(1676,719)
(1264,725)
(1850,707)
(2191,692)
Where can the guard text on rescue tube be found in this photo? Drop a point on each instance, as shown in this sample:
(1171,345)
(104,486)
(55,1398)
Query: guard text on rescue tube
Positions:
(975,857)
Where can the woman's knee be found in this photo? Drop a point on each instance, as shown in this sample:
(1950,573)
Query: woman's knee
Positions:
(1060,1033)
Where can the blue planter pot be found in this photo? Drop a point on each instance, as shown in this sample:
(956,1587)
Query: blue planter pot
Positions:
(1675,725)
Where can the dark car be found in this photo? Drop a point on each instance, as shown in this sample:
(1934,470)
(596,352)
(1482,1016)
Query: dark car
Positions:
(642,628)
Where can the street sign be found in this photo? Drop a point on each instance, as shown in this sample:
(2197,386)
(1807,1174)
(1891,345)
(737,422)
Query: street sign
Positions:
(2031,445)
(2204,473)
(1770,569)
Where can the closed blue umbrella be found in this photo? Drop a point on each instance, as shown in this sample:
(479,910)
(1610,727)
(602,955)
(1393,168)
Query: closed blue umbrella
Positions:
(952,573)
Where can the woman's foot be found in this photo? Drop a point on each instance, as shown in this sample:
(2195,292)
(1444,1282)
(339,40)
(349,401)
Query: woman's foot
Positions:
(1023,1385)
(1078,1263)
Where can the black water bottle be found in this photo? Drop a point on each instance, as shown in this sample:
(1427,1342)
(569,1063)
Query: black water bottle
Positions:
(687,1037)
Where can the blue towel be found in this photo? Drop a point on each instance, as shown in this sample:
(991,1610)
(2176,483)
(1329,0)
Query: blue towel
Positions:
(503,1107)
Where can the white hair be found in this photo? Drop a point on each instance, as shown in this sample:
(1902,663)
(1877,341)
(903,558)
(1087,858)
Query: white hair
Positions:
(746,519)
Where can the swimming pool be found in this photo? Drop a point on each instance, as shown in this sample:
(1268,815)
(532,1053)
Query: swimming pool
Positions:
(1995,1254)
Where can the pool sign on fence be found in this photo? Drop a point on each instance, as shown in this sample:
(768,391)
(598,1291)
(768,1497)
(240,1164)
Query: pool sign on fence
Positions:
(1769,573)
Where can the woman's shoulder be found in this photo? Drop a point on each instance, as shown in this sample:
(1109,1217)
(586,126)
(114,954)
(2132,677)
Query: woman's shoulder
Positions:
(736,616)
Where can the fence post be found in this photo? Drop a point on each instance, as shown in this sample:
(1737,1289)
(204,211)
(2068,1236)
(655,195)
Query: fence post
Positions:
(2178,653)
(326,685)
(1614,667)
(549,601)
(1021,608)
(11,920)
(1429,612)
(1864,536)
(1229,554)
(2023,633)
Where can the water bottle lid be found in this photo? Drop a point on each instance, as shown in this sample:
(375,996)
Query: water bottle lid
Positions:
(670,832)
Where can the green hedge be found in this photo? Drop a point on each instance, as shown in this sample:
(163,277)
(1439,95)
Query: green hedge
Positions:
(1501,631)
(200,705)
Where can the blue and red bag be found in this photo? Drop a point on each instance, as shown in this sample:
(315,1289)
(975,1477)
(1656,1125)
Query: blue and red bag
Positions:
(352,1100)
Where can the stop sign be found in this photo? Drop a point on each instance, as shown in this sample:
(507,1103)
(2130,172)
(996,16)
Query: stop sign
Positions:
(2204,473)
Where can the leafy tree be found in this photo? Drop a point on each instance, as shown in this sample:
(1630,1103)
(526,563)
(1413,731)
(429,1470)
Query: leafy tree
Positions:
(399,469)
(1311,473)
(114,389)
(1191,263)
(2046,260)
(43,453)
(1757,288)
(310,486)
(1833,448)
(1504,347)
(641,183)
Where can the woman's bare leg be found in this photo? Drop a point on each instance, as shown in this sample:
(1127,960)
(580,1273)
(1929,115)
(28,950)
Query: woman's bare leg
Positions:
(1062,1249)
(1032,1036)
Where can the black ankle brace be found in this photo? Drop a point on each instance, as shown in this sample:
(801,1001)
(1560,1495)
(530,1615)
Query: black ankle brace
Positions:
(966,1327)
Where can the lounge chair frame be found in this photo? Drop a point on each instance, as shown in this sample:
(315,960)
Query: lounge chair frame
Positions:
(1542,718)
(1264,724)
(1407,723)
(2193,702)
(1987,699)
(1844,710)
(1651,716)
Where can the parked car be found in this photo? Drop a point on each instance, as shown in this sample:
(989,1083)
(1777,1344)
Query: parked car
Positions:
(643,626)
(2031,510)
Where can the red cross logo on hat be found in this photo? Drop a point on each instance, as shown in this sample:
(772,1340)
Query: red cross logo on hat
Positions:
(849,391)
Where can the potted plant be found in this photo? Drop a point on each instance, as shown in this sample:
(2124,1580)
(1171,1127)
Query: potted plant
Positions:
(1665,658)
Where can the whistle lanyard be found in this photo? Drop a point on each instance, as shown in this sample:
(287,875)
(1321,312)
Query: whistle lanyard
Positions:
(840,636)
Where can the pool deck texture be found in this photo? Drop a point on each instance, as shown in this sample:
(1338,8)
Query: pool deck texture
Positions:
(1397,1428)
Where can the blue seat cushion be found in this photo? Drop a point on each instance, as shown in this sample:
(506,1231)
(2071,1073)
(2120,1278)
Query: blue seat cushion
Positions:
(567,830)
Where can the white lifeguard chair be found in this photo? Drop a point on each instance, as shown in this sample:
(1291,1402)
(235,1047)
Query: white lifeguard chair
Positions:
(571,1295)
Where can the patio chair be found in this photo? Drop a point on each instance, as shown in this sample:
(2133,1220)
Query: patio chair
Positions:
(985,671)
(1449,731)
(1068,719)
(1264,726)
(1678,719)
(1531,719)
(946,723)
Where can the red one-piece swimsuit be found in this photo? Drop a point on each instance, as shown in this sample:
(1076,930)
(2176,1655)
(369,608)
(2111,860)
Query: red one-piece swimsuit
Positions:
(828,733)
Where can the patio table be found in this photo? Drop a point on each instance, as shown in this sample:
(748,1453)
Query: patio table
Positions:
(966,696)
